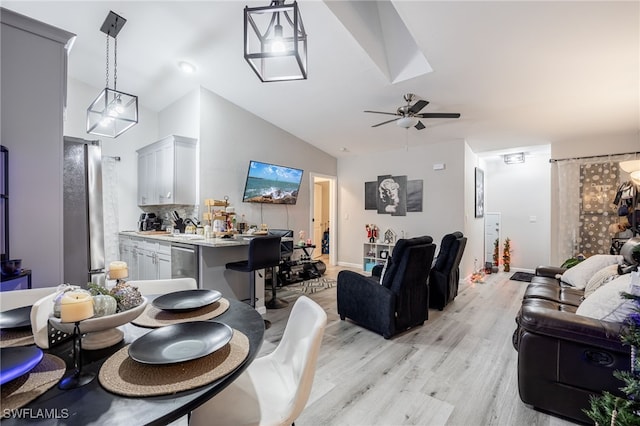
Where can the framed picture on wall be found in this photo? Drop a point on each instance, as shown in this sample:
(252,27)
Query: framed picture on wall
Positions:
(479,193)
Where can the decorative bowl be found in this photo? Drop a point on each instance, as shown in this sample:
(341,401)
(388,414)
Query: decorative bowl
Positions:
(101,332)
(11,267)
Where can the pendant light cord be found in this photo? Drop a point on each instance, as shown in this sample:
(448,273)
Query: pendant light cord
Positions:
(115,64)
(106,84)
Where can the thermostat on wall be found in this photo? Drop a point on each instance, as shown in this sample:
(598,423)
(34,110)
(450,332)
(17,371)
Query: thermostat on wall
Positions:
(439,166)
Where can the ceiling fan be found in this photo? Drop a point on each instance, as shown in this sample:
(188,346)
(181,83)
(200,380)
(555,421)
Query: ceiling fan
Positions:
(409,115)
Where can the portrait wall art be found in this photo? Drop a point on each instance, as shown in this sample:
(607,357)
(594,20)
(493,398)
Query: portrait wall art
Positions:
(394,195)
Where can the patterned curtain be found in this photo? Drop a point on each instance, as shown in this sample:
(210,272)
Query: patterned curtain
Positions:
(110,209)
(587,189)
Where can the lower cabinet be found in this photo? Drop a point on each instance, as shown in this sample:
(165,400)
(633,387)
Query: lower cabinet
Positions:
(146,259)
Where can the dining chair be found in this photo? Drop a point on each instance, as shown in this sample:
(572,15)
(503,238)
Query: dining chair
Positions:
(164,286)
(41,300)
(275,388)
(19,298)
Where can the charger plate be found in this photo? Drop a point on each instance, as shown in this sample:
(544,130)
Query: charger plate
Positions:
(180,342)
(153,317)
(21,391)
(121,375)
(16,337)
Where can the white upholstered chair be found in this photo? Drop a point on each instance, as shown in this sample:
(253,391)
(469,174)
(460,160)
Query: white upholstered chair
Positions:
(275,388)
(147,287)
(42,301)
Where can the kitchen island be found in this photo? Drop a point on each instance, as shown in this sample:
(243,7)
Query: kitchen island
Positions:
(213,254)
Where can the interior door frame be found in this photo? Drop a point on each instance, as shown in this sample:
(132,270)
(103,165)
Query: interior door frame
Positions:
(333,212)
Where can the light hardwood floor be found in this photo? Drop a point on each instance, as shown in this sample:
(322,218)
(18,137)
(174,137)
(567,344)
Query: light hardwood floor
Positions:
(459,368)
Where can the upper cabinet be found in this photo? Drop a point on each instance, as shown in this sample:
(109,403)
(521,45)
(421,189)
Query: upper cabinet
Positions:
(167,172)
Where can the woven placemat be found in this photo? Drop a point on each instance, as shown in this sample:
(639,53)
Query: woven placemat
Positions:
(24,389)
(123,376)
(153,317)
(19,337)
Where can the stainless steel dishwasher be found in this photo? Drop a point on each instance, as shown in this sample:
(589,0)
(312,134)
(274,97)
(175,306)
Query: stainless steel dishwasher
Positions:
(184,261)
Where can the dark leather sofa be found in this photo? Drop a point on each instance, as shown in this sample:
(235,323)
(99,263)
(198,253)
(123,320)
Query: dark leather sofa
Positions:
(397,303)
(564,358)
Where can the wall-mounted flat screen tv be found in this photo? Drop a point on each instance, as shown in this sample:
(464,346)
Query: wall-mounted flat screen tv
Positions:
(271,184)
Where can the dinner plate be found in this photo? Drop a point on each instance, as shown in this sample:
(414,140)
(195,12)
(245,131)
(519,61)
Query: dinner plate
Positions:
(14,362)
(15,318)
(180,342)
(186,300)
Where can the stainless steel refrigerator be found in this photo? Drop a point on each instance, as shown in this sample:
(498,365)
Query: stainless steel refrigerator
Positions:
(82,202)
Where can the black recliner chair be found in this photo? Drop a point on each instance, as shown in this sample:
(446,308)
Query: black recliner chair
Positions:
(445,273)
(396,301)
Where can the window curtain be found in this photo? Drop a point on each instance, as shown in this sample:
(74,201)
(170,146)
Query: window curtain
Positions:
(110,209)
(586,192)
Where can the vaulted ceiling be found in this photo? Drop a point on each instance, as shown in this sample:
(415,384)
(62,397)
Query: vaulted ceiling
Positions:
(519,73)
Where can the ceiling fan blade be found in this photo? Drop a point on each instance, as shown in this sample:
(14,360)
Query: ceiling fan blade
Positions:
(438,115)
(419,126)
(385,122)
(415,108)
(380,112)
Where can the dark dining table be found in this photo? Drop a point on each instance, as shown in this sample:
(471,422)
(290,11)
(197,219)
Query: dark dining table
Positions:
(93,405)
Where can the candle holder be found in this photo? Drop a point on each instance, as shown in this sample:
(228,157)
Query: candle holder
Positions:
(79,378)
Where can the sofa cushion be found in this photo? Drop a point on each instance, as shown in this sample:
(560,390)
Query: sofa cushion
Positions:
(580,274)
(607,304)
(600,278)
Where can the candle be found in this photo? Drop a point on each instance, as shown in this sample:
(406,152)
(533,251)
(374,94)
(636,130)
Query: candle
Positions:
(76,306)
(118,270)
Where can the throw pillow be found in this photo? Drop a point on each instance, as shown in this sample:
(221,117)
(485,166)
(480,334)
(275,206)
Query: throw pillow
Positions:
(600,278)
(580,274)
(607,304)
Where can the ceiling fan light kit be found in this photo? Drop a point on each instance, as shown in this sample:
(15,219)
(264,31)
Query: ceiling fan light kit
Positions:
(112,112)
(275,42)
(406,122)
(409,115)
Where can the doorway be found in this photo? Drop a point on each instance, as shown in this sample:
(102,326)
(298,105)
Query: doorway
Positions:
(323,216)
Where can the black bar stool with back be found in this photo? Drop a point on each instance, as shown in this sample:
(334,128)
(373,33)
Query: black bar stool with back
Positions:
(264,252)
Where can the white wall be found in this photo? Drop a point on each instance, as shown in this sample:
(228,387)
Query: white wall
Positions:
(80,96)
(473,226)
(443,196)
(522,194)
(229,137)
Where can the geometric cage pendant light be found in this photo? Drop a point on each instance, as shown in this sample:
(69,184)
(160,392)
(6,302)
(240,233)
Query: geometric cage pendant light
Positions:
(112,113)
(275,42)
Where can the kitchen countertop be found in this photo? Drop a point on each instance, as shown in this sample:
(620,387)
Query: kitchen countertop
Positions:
(197,240)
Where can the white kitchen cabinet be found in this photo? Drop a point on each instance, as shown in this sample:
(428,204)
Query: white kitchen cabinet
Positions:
(167,172)
(146,260)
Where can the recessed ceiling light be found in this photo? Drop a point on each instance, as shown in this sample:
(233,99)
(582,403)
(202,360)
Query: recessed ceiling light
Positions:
(187,67)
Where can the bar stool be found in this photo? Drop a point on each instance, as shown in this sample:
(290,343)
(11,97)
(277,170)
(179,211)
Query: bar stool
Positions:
(264,252)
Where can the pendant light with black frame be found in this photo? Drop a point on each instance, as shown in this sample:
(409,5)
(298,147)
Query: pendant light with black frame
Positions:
(112,112)
(275,41)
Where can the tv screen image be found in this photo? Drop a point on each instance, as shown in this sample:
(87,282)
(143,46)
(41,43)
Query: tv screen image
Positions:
(271,184)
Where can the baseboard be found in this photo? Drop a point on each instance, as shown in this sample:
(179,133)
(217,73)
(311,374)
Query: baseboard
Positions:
(350,265)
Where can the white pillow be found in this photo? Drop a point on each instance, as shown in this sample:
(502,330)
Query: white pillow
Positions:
(600,278)
(607,304)
(580,274)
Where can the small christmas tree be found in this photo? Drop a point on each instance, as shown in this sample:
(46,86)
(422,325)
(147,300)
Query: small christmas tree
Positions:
(496,252)
(506,255)
(609,409)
